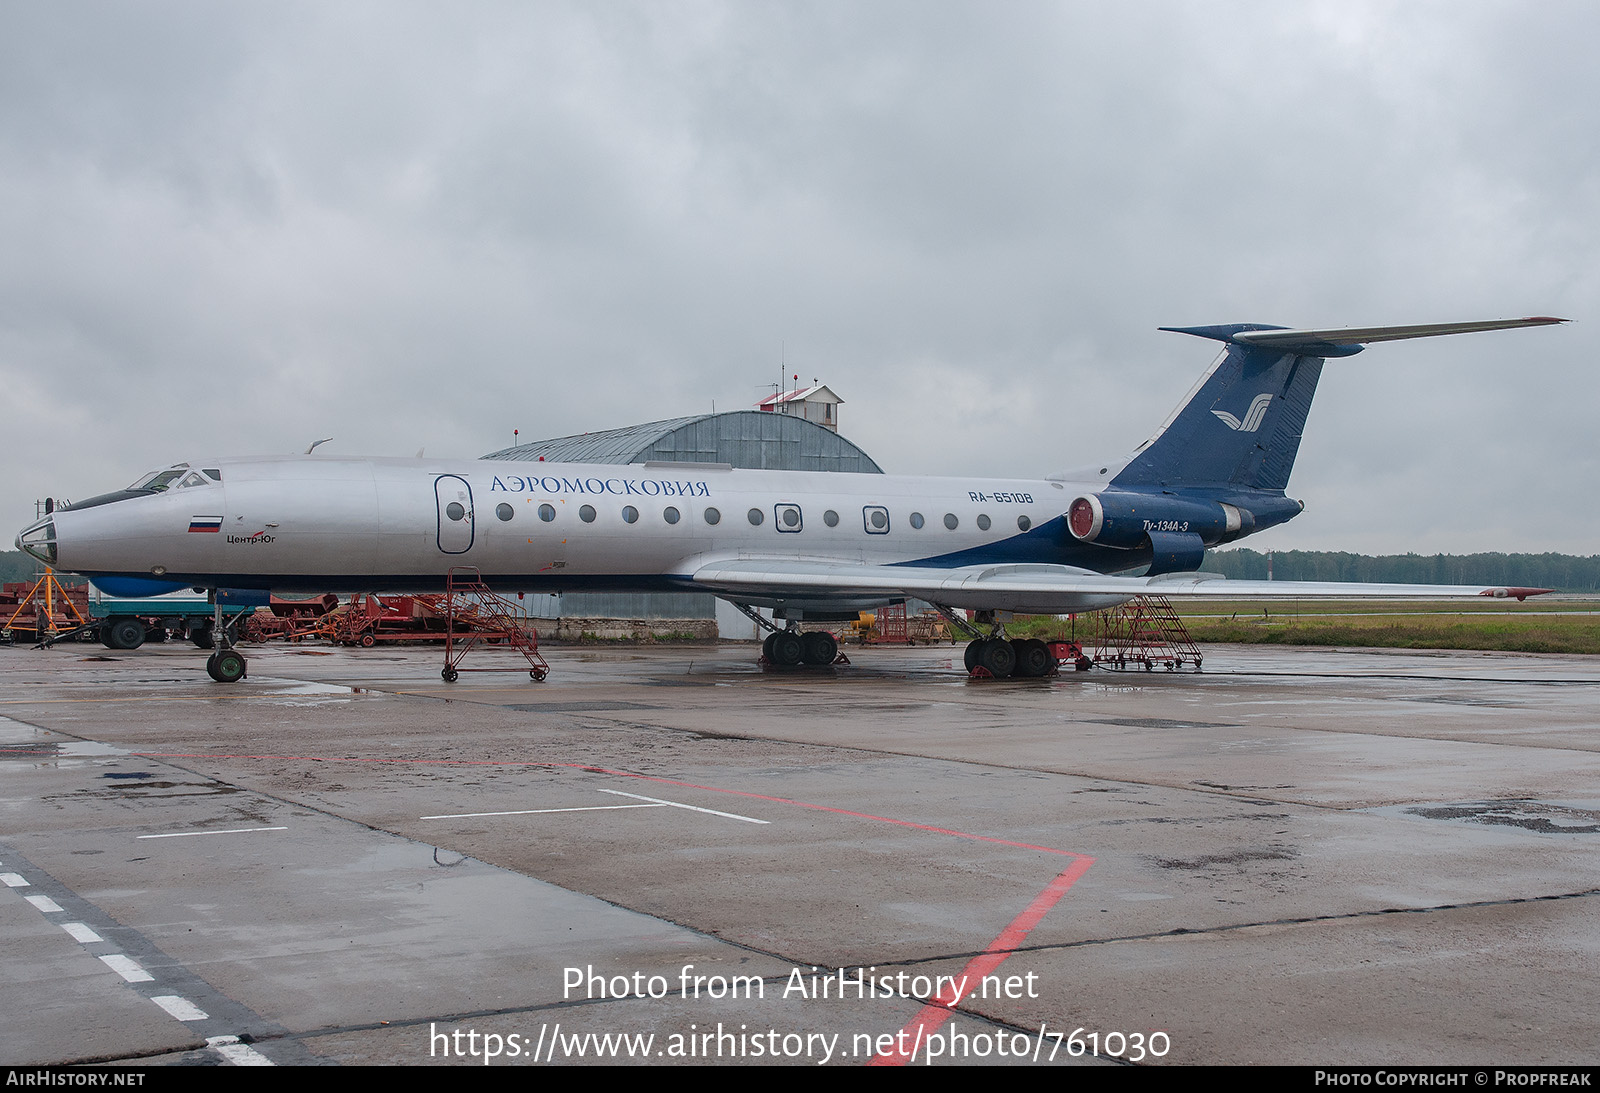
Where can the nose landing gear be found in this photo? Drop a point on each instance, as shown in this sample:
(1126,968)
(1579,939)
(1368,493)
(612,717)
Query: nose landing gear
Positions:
(227,664)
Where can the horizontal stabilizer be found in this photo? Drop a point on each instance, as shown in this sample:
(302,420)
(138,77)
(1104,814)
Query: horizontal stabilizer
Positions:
(1342,342)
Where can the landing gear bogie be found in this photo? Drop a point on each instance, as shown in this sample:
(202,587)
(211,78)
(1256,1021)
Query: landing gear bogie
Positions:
(788,649)
(819,648)
(1034,659)
(998,658)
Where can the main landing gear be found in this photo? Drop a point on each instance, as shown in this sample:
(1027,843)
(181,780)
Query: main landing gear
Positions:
(792,649)
(998,658)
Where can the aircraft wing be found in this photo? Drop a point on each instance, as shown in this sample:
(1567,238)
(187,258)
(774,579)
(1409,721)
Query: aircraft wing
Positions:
(1031,587)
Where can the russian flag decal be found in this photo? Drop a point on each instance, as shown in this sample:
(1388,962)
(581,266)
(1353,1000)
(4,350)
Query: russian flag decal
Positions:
(205,523)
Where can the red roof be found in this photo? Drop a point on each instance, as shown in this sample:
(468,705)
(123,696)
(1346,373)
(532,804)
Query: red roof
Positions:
(799,395)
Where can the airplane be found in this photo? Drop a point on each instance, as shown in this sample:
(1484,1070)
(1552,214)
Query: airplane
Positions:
(811,546)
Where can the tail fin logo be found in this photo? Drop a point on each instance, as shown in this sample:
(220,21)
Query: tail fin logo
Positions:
(1252,416)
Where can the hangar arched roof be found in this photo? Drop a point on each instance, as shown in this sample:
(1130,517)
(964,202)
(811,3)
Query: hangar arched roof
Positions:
(752,439)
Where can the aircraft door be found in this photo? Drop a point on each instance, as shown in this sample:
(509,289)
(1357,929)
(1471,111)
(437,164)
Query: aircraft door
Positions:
(454,497)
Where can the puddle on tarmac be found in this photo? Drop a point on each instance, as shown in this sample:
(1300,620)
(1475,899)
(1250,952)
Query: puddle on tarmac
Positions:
(1544,817)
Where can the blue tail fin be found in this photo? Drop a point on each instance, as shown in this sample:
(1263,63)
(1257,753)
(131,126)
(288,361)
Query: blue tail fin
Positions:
(1241,425)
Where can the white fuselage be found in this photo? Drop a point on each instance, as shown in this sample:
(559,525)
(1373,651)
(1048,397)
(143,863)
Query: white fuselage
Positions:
(322,523)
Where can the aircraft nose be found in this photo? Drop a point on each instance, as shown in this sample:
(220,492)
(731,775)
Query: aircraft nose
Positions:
(39,540)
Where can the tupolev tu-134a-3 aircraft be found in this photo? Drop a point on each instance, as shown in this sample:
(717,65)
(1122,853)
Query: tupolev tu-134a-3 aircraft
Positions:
(812,546)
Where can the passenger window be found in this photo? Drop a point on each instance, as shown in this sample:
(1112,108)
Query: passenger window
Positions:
(983,522)
(831,518)
(756,516)
(713,516)
(1023,523)
(787,517)
(630,515)
(671,515)
(547,513)
(916,520)
(876,518)
(950,521)
(504,511)
(586,514)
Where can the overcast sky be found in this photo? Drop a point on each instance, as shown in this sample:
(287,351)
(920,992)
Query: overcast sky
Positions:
(238,228)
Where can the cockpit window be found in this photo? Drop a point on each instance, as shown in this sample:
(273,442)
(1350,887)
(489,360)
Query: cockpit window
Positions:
(158,481)
(162,480)
(40,541)
(193,478)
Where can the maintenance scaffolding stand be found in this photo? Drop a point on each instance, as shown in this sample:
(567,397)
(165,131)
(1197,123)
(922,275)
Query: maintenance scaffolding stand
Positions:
(46,613)
(1144,633)
(479,612)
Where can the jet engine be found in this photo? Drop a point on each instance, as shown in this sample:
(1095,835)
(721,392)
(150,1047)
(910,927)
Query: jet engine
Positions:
(1175,529)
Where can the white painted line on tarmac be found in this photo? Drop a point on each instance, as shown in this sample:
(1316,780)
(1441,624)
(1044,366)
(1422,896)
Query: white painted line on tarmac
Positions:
(81,933)
(181,1008)
(229,831)
(13,880)
(236,1053)
(127,968)
(536,811)
(691,808)
(44,903)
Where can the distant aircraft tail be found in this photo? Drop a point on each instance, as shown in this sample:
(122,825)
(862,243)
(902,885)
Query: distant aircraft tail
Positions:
(1241,425)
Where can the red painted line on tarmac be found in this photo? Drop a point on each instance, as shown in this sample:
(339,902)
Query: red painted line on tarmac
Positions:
(914,1036)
